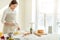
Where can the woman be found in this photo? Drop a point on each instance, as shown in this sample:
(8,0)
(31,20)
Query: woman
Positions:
(9,17)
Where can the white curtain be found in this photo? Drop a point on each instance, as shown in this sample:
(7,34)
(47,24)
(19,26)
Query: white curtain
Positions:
(47,14)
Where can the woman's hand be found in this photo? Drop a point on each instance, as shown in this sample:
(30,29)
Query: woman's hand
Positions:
(6,23)
(9,23)
(18,28)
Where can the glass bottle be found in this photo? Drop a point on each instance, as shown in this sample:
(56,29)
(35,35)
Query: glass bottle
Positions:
(31,30)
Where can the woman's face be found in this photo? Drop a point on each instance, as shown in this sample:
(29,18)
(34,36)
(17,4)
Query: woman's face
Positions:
(13,6)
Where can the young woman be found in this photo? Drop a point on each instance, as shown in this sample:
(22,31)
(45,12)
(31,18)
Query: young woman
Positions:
(9,17)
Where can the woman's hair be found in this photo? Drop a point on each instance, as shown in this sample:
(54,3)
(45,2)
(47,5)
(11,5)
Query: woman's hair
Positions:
(13,2)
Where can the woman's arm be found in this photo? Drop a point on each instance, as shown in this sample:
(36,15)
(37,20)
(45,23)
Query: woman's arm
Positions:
(17,25)
(3,17)
(17,22)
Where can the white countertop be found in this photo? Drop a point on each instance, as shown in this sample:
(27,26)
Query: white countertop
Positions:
(34,37)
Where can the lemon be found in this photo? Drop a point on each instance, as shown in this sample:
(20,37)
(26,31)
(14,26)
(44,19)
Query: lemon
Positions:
(1,34)
(16,33)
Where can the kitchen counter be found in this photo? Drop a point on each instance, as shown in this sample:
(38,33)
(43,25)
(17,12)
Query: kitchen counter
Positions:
(34,37)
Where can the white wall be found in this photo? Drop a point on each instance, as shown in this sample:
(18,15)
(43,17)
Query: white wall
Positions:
(26,13)
(3,3)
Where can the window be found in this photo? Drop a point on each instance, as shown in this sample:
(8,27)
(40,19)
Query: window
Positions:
(44,14)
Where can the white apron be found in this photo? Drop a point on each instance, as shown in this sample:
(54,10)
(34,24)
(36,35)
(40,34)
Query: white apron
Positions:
(9,16)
